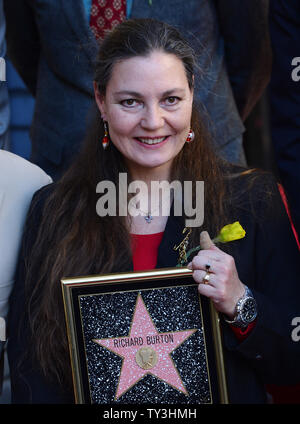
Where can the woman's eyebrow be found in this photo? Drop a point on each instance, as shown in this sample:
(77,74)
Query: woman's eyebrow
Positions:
(173,91)
(128,93)
(136,94)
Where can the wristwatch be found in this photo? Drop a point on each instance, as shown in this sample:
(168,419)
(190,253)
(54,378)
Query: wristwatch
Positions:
(246,310)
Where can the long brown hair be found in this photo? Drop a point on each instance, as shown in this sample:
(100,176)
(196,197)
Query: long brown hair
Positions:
(76,240)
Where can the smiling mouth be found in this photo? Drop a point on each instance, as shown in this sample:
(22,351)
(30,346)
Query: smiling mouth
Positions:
(151,141)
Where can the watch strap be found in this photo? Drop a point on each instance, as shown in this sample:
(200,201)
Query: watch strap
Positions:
(238,319)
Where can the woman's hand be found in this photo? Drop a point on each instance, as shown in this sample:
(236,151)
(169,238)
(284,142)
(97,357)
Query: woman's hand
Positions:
(224,287)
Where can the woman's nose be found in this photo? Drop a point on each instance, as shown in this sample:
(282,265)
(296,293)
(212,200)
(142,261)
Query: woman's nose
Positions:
(153,118)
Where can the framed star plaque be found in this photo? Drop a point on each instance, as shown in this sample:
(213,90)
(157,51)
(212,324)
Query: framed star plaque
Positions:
(143,337)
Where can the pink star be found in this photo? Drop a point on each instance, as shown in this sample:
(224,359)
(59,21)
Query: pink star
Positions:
(138,359)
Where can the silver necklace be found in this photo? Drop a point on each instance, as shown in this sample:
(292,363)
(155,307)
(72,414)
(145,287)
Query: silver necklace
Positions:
(146,215)
(148,218)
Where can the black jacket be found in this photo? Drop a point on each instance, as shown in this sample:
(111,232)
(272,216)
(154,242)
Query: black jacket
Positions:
(267,260)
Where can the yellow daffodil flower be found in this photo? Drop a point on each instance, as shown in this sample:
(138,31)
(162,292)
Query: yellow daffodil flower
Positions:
(230,232)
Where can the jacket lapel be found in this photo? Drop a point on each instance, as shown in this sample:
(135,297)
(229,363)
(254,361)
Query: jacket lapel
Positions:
(75,14)
(167,256)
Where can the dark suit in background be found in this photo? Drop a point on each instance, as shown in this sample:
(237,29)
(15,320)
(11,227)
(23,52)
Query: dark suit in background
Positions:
(285,121)
(52,47)
(47,43)
(285,98)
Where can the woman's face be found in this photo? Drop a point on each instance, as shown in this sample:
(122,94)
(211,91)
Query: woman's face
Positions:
(148,107)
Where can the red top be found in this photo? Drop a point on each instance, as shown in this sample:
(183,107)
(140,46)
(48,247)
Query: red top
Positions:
(144,250)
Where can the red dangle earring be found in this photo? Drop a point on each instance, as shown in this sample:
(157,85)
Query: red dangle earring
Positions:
(105,139)
(191,136)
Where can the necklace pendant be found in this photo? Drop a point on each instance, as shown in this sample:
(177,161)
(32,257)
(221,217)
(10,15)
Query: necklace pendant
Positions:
(148,218)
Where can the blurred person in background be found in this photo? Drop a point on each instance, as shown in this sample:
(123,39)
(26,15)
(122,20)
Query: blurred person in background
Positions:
(53,43)
(285,98)
(284,94)
(19,179)
(4,103)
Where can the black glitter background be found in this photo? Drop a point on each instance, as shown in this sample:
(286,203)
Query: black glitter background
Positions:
(171,309)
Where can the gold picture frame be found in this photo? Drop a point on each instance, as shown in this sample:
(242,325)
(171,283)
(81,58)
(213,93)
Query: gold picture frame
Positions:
(115,321)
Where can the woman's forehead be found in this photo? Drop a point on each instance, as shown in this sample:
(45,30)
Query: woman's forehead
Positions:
(163,71)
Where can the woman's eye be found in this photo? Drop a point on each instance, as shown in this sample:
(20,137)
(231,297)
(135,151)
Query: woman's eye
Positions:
(173,100)
(129,102)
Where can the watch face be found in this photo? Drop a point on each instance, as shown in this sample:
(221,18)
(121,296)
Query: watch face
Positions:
(249,311)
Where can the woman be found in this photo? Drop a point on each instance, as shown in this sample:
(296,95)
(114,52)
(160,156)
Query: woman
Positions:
(146,127)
